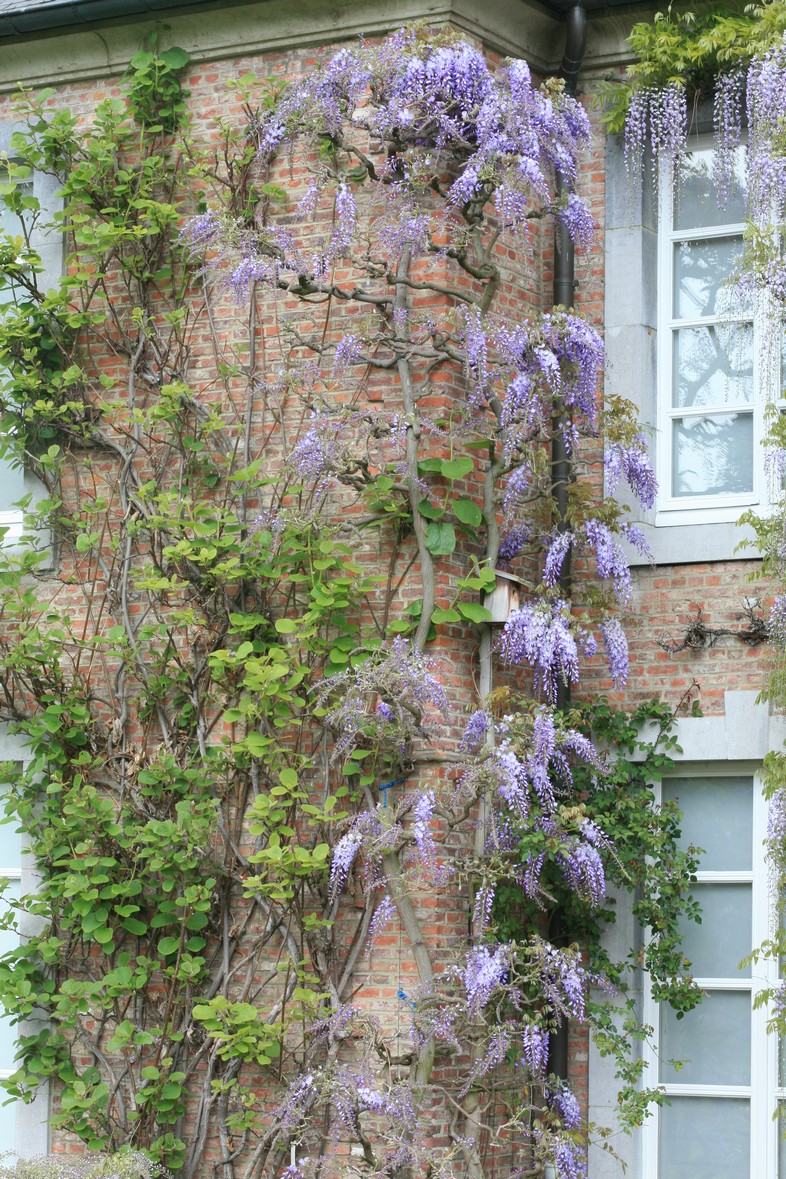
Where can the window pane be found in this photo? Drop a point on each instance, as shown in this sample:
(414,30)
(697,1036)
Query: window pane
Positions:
(712,455)
(717,946)
(702,273)
(717,814)
(9,939)
(705,1138)
(697,194)
(10,845)
(713,365)
(781,1141)
(713,1041)
(7,1122)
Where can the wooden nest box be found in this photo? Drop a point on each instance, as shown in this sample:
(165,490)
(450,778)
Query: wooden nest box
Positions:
(505,598)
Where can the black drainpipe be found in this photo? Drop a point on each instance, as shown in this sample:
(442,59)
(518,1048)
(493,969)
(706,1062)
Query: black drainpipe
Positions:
(564,281)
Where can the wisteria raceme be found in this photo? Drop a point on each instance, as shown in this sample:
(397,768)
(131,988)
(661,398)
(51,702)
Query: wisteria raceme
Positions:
(518,487)
(582,868)
(563,979)
(542,635)
(728,121)
(766,104)
(616,645)
(535,1048)
(555,557)
(669,123)
(422,813)
(481,913)
(636,538)
(343,858)
(475,731)
(485,971)
(610,557)
(631,460)
(512,543)
(563,1100)
(578,220)
(513,781)
(199,233)
(569,1160)
(383,915)
(777,622)
(403,680)
(290,1113)
(348,352)
(495,1053)
(636,133)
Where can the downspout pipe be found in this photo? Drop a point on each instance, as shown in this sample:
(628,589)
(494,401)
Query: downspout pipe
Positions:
(564,283)
(563,294)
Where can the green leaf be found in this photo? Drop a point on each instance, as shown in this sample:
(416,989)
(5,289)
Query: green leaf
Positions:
(176,58)
(440,539)
(468,512)
(430,511)
(440,616)
(256,744)
(286,626)
(288,778)
(457,468)
(168,945)
(135,926)
(474,612)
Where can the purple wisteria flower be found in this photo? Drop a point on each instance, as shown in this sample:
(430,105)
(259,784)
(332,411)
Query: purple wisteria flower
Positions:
(201,232)
(610,558)
(485,971)
(383,915)
(766,103)
(481,912)
(556,364)
(616,645)
(728,120)
(343,858)
(578,220)
(563,980)
(633,462)
(423,812)
(348,352)
(563,1101)
(555,557)
(657,117)
(512,543)
(535,1049)
(475,731)
(544,636)
(777,622)
(582,868)
(404,679)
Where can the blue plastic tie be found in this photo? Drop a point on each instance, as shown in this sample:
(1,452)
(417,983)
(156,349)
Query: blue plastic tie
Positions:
(385,786)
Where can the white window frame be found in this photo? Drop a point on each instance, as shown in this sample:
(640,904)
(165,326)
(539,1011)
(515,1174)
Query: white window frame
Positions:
(49,247)
(721,508)
(731,743)
(763,1092)
(32,1118)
